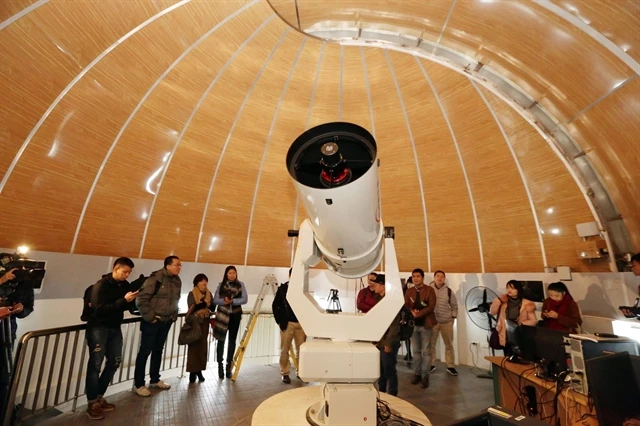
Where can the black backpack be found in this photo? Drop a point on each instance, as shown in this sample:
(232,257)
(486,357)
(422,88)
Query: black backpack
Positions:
(406,324)
(91,296)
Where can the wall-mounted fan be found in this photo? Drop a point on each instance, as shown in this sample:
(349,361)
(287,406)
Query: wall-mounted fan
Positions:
(478,302)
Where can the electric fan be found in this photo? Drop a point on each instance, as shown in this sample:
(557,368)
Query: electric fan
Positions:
(477,303)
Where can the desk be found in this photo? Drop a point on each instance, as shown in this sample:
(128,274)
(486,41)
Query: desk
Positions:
(289,408)
(509,379)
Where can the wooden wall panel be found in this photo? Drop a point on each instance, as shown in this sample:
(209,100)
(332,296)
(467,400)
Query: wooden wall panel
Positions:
(73,141)
(452,228)
(399,187)
(42,53)
(416,18)
(610,135)
(231,200)
(138,166)
(558,200)
(617,20)
(286,10)
(355,96)
(176,219)
(561,67)
(507,228)
(274,211)
(10,8)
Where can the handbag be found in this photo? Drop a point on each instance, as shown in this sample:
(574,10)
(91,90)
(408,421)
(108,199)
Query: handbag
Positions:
(190,331)
(494,337)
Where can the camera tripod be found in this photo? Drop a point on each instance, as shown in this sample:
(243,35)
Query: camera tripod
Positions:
(334,302)
(6,363)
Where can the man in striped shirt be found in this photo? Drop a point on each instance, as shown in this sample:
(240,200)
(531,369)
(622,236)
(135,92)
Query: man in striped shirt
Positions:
(446,312)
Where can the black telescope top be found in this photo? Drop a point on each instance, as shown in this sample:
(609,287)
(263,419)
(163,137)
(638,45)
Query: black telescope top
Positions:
(331,155)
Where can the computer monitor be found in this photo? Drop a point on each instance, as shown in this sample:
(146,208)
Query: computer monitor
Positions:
(550,349)
(614,389)
(533,290)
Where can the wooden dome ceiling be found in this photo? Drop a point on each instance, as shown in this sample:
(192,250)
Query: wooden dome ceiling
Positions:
(143,128)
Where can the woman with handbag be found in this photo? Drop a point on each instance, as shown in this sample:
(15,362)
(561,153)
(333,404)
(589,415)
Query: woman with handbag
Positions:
(200,302)
(514,307)
(229,297)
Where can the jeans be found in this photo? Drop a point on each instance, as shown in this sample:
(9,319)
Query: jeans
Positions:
(232,333)
(152,339)
(420,342)
(103,342)
(388,373)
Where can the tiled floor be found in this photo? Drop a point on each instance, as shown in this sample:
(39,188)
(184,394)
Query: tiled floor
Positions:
(222,402)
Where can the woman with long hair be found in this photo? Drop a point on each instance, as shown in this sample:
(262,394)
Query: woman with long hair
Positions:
(514,307)
(229,297)
(559,310)
(200,304)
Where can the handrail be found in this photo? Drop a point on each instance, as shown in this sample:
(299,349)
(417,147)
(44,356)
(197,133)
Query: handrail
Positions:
(51,361)
(21,356)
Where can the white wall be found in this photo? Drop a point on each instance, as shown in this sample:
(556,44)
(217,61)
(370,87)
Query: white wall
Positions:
(59,302)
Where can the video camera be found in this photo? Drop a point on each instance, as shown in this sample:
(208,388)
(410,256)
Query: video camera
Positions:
(26,271)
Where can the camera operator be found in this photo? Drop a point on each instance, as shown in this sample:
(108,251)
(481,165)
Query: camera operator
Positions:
(16,301)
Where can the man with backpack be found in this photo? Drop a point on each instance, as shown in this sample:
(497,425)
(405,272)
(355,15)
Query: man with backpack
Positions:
(388,345)
(446,312)
(158,305)
(104,306)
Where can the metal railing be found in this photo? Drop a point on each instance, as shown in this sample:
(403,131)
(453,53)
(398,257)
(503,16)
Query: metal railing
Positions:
(55,358)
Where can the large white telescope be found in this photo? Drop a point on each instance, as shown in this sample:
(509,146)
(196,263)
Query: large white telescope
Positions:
(334,168)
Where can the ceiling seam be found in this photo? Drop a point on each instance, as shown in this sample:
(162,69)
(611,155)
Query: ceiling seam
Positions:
(596,102)
(341,74)
(188,123)
(464,170)
(306,127)
(444,26)
(77,78)
(520,170)
(266,147)
(415,156)
(228,139)
(137,108)
(22,13)
(592,32)
(297,15)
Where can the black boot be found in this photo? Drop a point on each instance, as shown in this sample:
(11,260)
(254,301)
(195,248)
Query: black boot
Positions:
(192,377)
(220,370)
(228,371)
(200,376)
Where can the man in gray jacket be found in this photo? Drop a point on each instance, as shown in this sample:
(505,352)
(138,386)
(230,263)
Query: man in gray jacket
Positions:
(158,305)
(446,312)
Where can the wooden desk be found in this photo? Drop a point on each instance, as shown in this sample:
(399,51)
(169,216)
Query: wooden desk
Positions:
(509,380)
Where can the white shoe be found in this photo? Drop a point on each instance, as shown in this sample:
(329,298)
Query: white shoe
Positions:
(160,385)
(142,391)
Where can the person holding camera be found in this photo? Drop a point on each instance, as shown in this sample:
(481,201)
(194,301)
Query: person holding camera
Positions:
(229,297)
(290,329)
(105,303)
(18,295)
(158,304)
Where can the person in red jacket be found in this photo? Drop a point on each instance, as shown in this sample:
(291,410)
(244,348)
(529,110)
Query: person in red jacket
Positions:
(367,297)
(559,310)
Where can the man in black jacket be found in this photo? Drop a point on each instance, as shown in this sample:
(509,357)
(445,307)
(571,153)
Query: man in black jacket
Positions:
(388,346)
(105,303)
(290,329)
